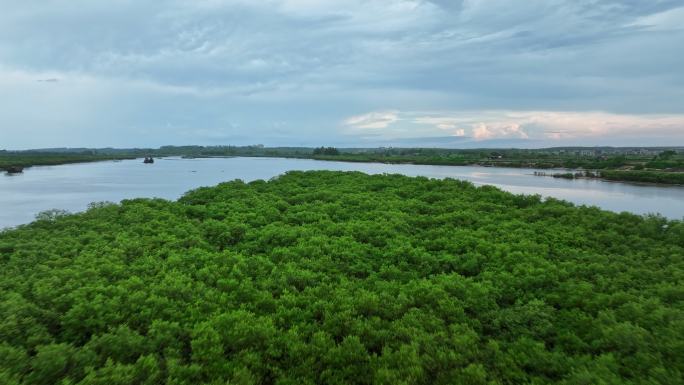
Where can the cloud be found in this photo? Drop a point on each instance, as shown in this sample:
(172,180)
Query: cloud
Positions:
(461,124)
(584,125)
(372,120)
(491,131)
(443,123)
(590,126)
(564,125)
(670,19)
(457,68)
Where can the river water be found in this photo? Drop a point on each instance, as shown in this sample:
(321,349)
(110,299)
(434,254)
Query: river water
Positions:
(72,187)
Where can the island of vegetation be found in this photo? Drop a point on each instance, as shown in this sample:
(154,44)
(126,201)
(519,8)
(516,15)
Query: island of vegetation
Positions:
(16,161)
(664,165)
(343,278)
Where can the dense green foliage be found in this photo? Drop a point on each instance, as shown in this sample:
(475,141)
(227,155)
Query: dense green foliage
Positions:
(326,151)
(575,158)
(567,175)
(673,178)
(669,159)
(644,176)
(630,165)
(28,159)
(343,278)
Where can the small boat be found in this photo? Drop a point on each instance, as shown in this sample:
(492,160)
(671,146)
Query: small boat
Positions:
(148,160)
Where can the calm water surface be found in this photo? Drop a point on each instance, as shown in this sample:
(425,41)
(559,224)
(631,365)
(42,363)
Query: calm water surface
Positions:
(73,187)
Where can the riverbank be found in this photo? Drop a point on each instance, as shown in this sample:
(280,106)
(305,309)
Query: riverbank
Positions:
(649,177)
(615,175)
(16,163)
(619,165)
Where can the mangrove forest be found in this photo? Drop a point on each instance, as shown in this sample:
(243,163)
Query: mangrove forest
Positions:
(342,278)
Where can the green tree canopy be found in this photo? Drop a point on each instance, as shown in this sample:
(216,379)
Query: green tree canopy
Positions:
(343,278)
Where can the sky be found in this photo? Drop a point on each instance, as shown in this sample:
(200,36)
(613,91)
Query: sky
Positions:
(349,73)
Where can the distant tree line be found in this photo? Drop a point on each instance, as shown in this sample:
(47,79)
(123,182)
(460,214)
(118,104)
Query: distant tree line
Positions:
(326,151)
(668,161)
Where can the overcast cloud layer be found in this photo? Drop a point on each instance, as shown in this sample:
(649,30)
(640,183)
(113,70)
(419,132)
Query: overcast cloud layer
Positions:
(341,72)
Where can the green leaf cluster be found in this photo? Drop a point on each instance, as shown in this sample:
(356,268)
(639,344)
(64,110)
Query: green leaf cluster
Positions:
(343,278)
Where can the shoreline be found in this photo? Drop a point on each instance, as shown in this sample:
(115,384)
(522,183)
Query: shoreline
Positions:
(409,162)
